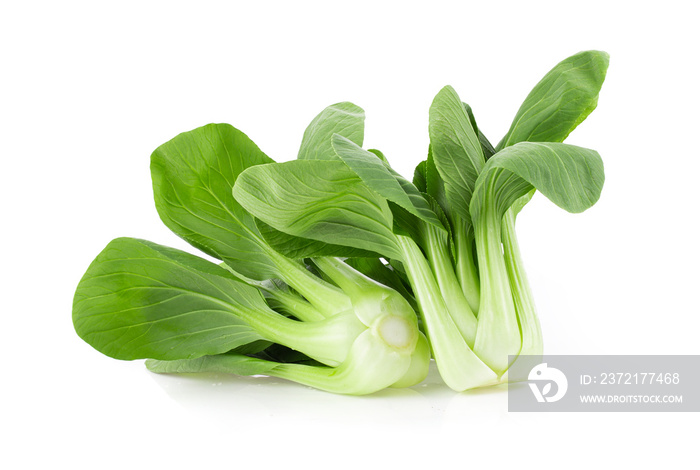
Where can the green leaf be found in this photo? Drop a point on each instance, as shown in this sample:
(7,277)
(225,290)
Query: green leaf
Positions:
(230,363)
(384,181)
(560,101)
(486,146)
(193,178)
(143,300)
(193,175)
(521,202)
(419,177)
(422,233)
(456,150)
(434,184)
(343,118)
(299,248)
(379,155)
(321,200)
(571,177)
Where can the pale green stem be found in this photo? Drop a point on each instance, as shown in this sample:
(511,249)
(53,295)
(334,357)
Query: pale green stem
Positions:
(351,281)
(440,261)
(292,303)
(328,341)
(371,366)
(459,367)
(375,304)
(285,300)
(522,295)
(466,268)
(327,298)
(498,333)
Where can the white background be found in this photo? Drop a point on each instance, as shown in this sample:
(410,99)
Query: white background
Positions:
(89,89)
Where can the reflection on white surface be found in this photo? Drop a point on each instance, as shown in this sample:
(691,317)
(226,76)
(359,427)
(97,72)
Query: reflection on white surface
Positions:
(225,398)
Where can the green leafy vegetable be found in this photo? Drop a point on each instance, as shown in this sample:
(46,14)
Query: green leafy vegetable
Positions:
(320,200)
(383,180)
(335,270)
(345,119)
(456,150)
(562,100)
(139,300)
(470,289)
(142,300)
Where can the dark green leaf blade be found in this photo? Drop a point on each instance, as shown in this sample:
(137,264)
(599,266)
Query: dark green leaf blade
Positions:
(343,118)
(456,150)
(379,155)
(193,175)
(486,146)
(230,363)
(420,178)
(571,177)
(562,100)
(383,180)
(142,300)
(299,248)
(434,184)
(321,200)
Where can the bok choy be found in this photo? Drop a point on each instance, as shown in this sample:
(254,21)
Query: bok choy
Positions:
(336,271)
(142,300)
